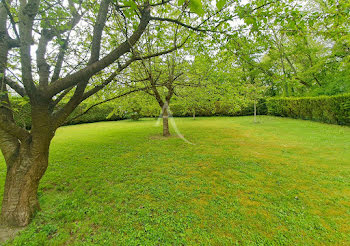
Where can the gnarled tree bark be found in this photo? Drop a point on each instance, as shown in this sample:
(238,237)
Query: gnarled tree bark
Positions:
(24,171)
(26,159)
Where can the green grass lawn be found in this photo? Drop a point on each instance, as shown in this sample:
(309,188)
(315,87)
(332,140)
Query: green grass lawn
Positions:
(279,182)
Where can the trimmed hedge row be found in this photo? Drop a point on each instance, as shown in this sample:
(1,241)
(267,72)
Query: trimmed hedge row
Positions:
(103,111)
(220,109)
(96,114)
(224,109)
(328,109)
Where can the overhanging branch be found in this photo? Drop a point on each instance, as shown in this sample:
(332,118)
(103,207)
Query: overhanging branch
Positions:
(105,101)
(126,64)
(87,72)
(198,29)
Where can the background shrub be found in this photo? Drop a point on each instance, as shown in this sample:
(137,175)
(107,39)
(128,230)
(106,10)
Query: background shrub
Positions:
(105,112)
(328,109)
(220,108)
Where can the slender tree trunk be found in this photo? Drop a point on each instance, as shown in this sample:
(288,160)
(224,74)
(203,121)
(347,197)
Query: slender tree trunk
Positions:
(194,114)
(166,132)
(254,111)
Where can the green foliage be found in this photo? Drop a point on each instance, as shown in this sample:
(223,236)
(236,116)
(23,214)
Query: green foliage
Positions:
(135,115)
(120,110)
(328,109)
(196,6)
(96,114)
(303,45)
(219,108)
(21,112)
(102,112)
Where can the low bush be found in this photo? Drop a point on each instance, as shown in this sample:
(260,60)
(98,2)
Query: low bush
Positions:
(328,109)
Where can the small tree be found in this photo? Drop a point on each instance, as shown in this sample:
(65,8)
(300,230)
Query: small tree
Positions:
(161,77)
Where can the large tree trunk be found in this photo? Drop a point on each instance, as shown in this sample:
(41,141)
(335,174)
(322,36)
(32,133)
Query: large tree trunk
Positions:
(166,132)
(26,162)
(24,171)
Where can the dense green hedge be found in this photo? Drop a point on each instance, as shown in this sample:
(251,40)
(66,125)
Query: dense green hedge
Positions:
(103,111)
(96,114)
(224,109)
(328,109)
(220,109)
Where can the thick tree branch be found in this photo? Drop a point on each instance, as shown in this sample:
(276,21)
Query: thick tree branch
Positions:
(46,36)
(62,114)
(60,59)
(60,97)
(13,23)
(43,66)
(15,86)
(78,97)
(89,71)
(183,24)
(64,46)
(26,18)
(13,43)
(151,5)
(294,70)
(105,101)
(9,145)
(98,29)
(125,65)
(11,128)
